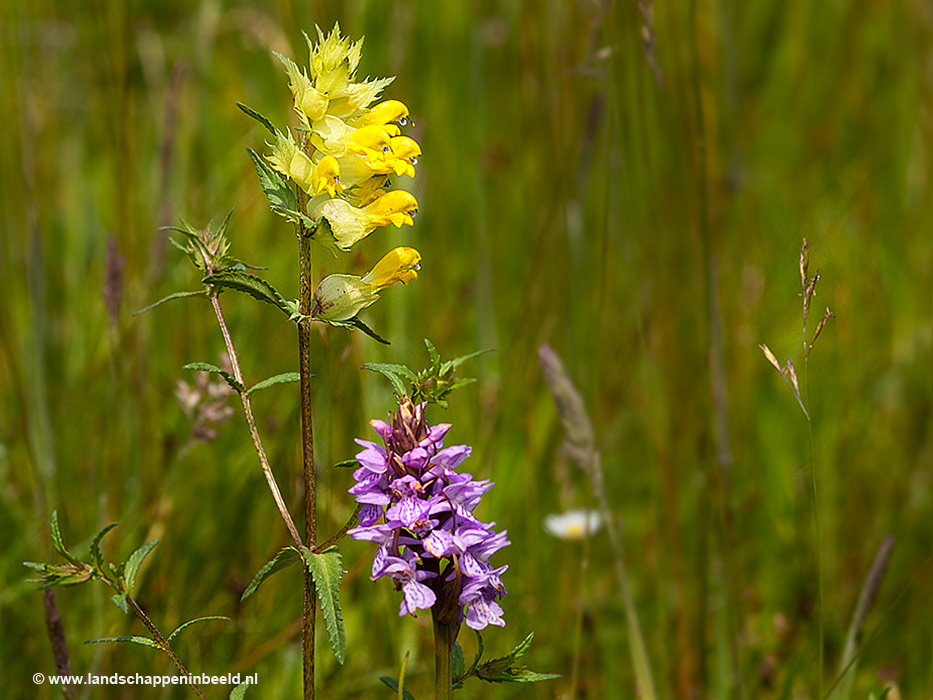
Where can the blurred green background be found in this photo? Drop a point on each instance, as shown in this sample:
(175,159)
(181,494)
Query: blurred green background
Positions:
(649,232)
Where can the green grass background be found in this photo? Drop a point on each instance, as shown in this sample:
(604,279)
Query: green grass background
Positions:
(562,199)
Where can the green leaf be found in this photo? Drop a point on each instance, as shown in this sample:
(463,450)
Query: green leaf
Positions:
(281,198)
(134,639)
(355,322)
(191,622)
(255,286)
(395,374)
(176,295)
(120,601)
(392,684)
(346,464)
(208,367)
(283,378)
(326,571)
(95,546)
(505,670)
(133,563)
(58,543)
(435,355)
(285,558)
(239,692)
(258,117)
(458,665)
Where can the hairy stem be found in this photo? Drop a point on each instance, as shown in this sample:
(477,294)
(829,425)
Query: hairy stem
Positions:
(163,643)
(53,623)
(305,296)
(251,422)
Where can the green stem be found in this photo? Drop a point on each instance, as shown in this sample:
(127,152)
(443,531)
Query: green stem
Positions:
(251,422)
(163,643)
(305,297)
(444,634)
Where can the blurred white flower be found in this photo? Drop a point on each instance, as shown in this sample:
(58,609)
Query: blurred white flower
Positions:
(572,525)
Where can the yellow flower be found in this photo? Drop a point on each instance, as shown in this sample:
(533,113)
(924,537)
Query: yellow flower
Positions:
(383,113)
(394,207)
(341,297)
(313,178)
(327,176)
(373,142)
(398,265)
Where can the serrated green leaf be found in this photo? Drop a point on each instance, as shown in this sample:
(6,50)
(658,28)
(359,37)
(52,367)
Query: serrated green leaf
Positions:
(239,692)
(120,601)
(281,198)
(258,117)
(95,546)
(214,369)
(133,639)
(505,670)
(191,622)
(392,684)
(458,664)
(57,541)
(522,647)
(285,558)
(326,570)
(395,374)
(435,355)
(133,563)
(176,295)
(255,286)
(283,378)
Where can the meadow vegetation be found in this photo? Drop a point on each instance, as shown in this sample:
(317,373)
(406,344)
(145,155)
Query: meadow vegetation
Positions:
(646,224)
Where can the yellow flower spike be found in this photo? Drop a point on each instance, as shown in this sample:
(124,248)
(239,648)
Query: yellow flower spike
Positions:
(327,176)
(383,113)
(394,207)
(373,141)
(398,265)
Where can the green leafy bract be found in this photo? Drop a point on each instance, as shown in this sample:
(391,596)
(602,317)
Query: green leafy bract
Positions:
(281,198)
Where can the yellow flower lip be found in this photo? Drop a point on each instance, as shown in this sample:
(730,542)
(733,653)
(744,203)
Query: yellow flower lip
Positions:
(384,113)
(373,141)
(398,265)
(327,176)
(394,207)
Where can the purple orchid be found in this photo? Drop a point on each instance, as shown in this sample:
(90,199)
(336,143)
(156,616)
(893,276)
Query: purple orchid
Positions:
(419,510)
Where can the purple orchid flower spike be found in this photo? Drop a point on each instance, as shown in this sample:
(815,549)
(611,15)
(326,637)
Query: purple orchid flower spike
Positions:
(419,510)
